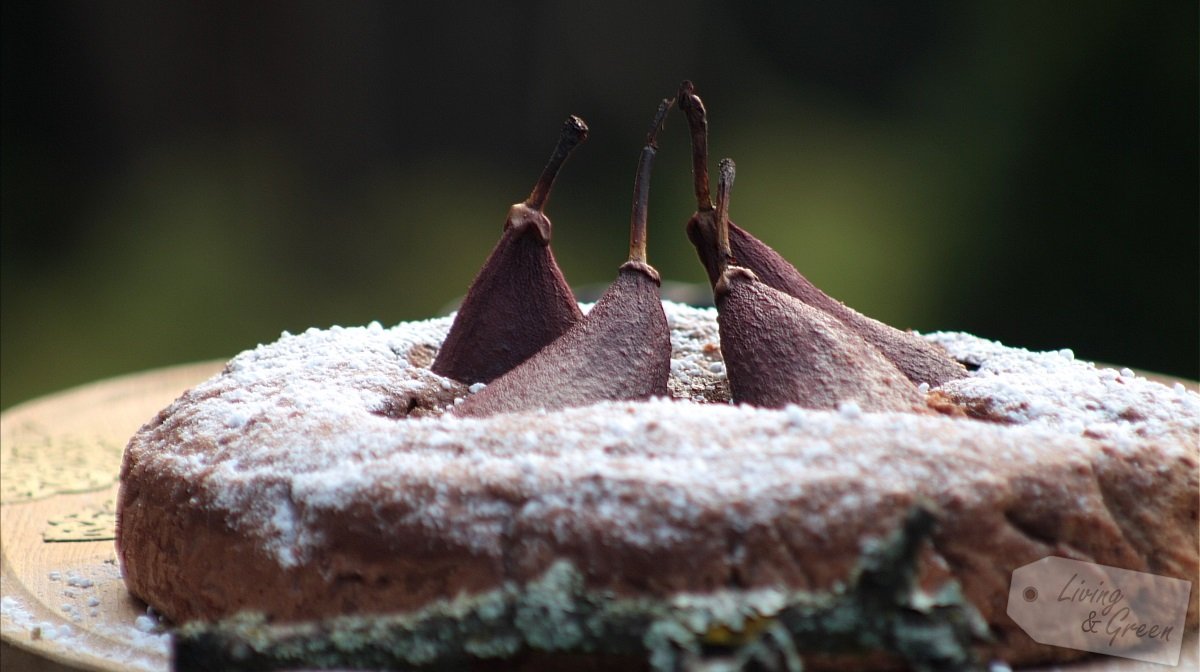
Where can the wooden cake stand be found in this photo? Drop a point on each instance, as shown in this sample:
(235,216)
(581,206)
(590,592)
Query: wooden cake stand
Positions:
(65,606)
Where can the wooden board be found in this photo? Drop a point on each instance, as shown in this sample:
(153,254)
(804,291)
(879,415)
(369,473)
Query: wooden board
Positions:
(61,456)
(59,462)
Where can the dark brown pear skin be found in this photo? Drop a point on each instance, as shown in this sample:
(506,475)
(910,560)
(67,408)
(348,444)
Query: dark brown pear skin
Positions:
(919,360)
(517,304)
(779,350)
(621,350)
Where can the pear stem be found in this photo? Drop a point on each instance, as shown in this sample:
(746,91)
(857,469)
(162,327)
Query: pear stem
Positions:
(724,188)
(574,132)
(697,118)
(641,186)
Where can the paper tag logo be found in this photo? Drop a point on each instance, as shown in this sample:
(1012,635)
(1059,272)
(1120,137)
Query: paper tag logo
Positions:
(1082,605)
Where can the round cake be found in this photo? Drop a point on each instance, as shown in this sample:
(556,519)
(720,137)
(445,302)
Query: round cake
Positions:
(320,476)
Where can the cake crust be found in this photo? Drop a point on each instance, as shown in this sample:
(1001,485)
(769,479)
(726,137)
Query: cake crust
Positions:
(319,476)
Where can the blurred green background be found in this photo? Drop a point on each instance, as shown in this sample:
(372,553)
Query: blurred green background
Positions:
(182,181)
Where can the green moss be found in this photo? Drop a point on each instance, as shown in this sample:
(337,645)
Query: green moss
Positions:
(880,609)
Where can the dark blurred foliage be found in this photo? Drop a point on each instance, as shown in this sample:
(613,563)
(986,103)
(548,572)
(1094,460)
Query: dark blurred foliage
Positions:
(184,180)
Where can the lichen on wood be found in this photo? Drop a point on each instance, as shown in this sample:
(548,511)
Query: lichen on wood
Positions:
(880,608)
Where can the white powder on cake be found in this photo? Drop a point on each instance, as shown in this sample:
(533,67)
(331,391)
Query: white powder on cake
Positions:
(1054,390)
(298,430)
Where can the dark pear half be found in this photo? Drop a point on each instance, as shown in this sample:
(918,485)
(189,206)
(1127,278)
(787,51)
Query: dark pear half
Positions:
(779,350)
(920,360)
(621,350)
(519,301)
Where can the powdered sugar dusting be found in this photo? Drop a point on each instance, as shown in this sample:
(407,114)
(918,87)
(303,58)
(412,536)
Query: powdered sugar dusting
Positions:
(1053,389)
(697,370)
(295,432)
(148,643)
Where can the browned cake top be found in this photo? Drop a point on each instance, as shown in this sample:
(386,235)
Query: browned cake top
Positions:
(294,432)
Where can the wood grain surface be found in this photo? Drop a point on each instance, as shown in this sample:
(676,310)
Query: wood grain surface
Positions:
(61,457)
(59,462)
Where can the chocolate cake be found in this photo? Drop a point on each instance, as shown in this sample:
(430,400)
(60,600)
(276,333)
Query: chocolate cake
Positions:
(321,475)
